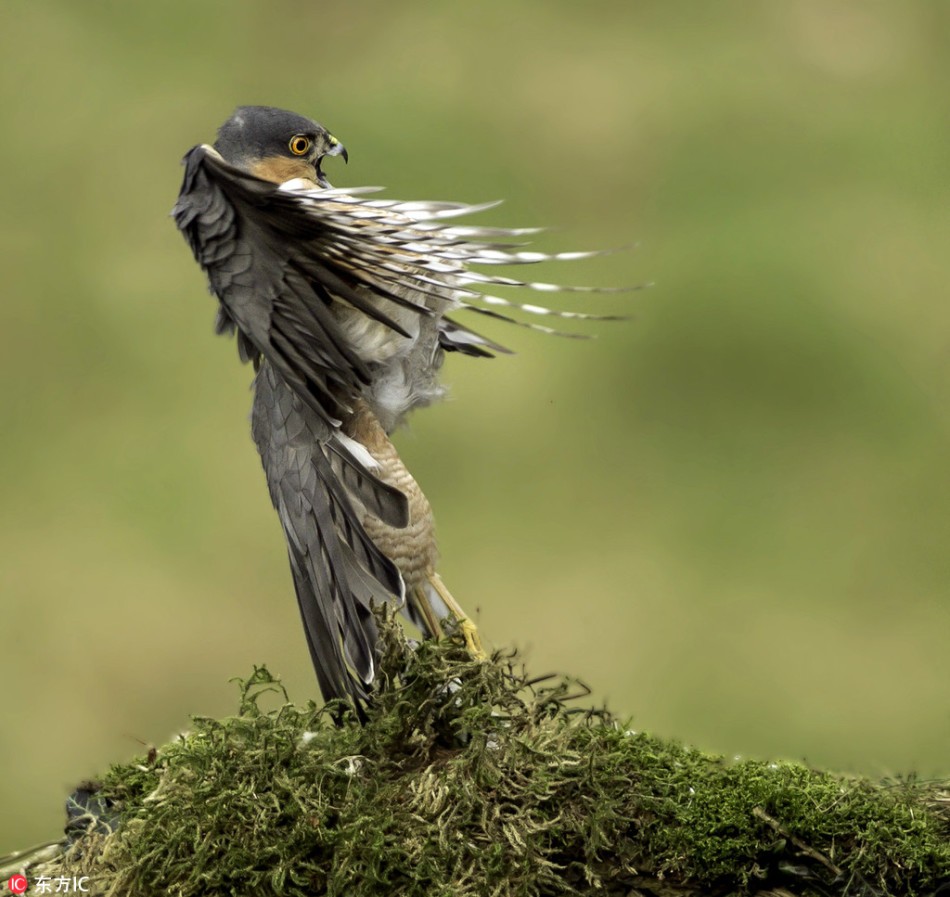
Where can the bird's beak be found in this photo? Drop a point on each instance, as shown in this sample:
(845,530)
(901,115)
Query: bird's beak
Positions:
(337,149)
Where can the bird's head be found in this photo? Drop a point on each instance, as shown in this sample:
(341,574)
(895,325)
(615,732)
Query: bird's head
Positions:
(277,145)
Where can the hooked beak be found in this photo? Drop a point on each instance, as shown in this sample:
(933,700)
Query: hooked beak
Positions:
(336,149)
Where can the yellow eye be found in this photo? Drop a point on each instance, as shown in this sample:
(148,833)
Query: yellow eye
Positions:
(299,145)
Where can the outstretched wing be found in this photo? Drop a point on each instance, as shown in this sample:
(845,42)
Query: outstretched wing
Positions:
(278,256)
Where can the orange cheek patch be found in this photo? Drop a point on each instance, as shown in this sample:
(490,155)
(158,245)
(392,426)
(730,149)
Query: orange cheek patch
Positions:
(279,169)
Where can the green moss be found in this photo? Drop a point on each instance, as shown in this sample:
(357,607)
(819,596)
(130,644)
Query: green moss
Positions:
(468,778)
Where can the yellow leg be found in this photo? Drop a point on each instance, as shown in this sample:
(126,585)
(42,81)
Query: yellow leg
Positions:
(429,619)
(468,629)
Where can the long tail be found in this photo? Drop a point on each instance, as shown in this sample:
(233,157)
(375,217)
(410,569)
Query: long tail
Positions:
(338,572)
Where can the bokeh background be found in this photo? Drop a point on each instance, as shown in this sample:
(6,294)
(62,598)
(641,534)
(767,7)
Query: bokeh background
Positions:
(730,515)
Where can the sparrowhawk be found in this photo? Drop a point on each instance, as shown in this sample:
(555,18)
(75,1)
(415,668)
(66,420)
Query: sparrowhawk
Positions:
(342,301)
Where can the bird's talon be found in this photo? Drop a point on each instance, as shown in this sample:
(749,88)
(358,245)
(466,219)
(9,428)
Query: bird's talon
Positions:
(472,640)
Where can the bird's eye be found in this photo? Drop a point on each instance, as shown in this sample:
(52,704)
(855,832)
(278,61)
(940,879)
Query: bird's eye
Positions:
(299,145)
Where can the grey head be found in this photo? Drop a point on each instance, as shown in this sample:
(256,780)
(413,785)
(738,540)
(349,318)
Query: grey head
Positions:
(277,145)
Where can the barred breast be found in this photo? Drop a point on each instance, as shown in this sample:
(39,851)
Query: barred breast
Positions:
(413,548)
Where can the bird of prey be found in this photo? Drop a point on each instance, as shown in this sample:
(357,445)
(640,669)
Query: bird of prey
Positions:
(341,301)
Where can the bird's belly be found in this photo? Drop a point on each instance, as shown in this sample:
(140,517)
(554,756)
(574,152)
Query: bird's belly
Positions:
(373,341)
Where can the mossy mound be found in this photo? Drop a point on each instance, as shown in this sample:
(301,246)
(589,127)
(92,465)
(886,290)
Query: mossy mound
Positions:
(468,778)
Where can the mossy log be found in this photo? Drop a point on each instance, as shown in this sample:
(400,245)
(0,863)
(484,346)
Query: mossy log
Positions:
(470,778)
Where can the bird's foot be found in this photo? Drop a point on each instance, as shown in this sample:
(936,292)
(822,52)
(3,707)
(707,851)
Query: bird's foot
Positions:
(467,629)
(472,639)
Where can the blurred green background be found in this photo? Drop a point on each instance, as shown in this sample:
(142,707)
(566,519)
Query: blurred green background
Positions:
(730,515)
